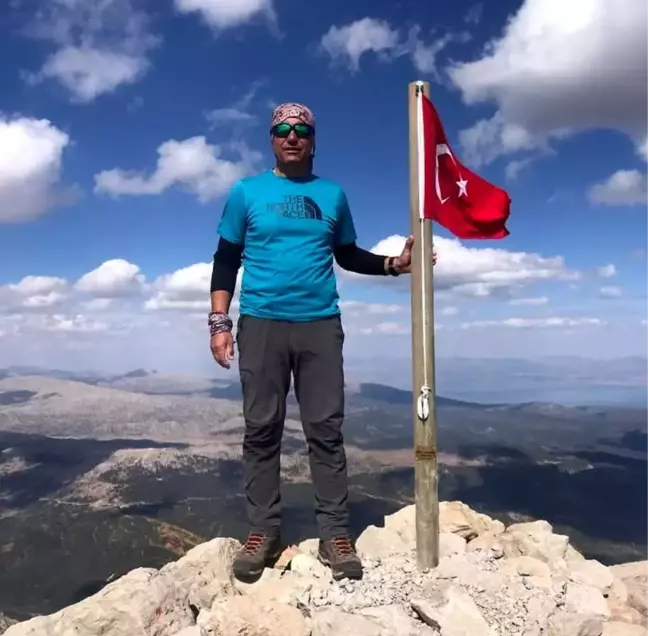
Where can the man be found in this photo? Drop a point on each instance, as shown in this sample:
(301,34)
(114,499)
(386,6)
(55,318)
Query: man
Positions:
(286,226)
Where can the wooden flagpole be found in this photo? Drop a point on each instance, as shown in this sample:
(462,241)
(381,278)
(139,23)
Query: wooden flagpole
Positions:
(423,380)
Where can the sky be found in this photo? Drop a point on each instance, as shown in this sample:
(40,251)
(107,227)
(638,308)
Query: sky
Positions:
(124,123)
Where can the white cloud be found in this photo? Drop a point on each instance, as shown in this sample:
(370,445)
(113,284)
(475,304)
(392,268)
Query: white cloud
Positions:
(607,271)
(449,311)
(624,187)
(534,72)
(491,138)
(610,292)
(99,46)
(30,168)
(474,14)
(115,278)
(238,114)
(124,330)
(476,271)
(98,304)
(348,43)
(34,293)
(192,164)
(359,309)
(540,323)
(186,289)
(77,323)
(223,14)
(351,41)
(388,328)
(229,116)
(530,302)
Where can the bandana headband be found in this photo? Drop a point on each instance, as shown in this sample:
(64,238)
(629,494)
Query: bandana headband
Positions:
(291,109)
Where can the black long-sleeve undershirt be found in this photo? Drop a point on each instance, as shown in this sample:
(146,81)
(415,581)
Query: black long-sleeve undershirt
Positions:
(227,261)
(360,261)
(229,256)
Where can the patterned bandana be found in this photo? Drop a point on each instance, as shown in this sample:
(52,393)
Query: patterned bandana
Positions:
(285,111)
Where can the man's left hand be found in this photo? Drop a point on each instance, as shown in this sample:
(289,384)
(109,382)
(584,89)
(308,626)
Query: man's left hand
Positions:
(403,263)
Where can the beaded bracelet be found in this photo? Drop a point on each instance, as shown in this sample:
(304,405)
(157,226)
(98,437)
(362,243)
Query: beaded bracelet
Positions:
(219,322)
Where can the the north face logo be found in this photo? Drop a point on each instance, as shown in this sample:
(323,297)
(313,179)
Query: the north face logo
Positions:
(297,207)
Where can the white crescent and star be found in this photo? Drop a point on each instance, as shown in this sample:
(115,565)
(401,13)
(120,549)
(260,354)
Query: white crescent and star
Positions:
(443,149)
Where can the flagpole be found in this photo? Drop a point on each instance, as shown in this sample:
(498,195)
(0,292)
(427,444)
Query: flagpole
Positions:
(423,378)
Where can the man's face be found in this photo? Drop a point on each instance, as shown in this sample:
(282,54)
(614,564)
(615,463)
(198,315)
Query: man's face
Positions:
(294,148)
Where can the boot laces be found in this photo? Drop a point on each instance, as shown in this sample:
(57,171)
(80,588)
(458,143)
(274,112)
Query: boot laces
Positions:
(342,546)
(253,543)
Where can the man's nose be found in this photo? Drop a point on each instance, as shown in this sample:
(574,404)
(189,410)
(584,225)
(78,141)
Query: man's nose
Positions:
(293,139)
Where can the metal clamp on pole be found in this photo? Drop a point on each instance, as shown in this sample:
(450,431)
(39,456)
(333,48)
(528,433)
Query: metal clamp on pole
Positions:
(423,403)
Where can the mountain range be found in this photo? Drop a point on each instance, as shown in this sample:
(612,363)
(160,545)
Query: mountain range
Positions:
(101,474)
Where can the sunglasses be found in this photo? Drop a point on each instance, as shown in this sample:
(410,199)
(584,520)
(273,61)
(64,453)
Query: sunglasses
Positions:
(303,131)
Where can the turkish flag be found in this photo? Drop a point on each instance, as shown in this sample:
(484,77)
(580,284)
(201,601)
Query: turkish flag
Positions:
(460,200)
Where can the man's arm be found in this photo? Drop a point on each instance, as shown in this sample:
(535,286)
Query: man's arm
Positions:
(351,257)
(228,256)
(227,261)
(360,261)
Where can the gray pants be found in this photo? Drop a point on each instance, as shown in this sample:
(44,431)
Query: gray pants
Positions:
(269,352)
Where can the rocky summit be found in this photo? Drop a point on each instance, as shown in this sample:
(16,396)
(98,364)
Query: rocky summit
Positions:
(492,580)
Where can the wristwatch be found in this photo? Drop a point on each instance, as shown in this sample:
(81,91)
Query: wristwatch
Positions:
(391,270)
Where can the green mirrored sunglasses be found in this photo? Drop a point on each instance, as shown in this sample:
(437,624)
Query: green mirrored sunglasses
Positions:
(303,131)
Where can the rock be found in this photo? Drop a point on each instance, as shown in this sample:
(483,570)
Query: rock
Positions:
(453,613)
(592,573)
(189,631)
(585,599)
(620,611)
(309,546)
(309,566)
(245,616)
(455,517)
(276,586)
(487,542)
(458,518)
(394,620)
(617,601)
(535,539)
(381,543)
(204,573)
(635,577)
(524,580)
(572,555)
(614,628)
(527,566)
(450,544)
(5,623)
(403,522)
(564,623)
(140,603)
(286,557)
(339,623)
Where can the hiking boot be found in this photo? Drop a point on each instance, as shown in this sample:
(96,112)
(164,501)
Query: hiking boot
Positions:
(260,551)
(340,555)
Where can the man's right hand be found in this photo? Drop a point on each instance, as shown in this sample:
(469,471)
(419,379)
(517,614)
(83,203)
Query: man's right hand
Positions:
(222,348)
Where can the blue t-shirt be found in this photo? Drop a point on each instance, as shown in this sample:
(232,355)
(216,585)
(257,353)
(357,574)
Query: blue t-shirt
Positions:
(288,229)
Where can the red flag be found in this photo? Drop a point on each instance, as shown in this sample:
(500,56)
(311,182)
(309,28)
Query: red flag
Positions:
(450,194)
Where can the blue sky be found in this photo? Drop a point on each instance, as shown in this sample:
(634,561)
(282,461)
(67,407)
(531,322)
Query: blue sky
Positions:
(123,124)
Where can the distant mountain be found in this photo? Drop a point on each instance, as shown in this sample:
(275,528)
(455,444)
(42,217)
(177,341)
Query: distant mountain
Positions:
(55,407)
(389,394)
(136,373)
